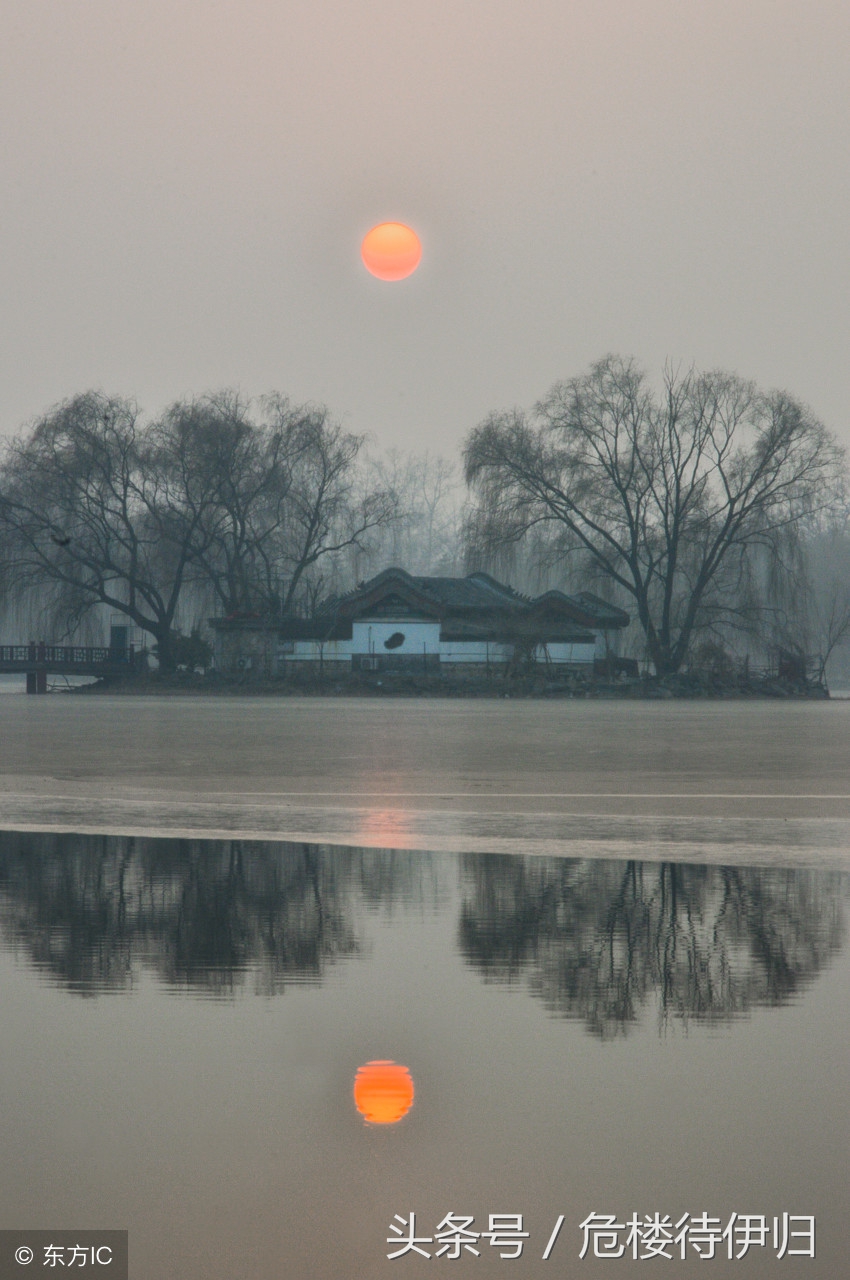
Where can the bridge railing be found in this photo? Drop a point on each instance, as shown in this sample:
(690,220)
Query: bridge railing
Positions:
(66,654)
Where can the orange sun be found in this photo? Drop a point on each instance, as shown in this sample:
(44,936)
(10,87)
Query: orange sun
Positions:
(383,1091)
(391,251)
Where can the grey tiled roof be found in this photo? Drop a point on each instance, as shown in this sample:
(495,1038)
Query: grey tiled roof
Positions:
(478,591)
(470,607)
(604,613)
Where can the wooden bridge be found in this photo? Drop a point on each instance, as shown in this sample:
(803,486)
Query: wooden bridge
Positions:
(38,660)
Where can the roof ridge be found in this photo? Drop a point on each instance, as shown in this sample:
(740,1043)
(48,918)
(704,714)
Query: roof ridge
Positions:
(502,588)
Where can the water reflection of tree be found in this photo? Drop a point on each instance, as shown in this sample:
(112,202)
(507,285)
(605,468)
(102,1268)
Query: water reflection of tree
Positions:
(95,911)
(600,940)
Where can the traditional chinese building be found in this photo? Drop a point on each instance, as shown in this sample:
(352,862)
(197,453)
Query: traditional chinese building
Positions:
(398,620)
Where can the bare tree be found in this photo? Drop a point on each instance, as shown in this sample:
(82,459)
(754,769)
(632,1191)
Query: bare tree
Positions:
(665,496)
(809,587)
(99,509)
(284,494)
(424,536)
(88,508)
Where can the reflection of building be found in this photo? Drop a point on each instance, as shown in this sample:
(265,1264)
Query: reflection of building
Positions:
(397,620)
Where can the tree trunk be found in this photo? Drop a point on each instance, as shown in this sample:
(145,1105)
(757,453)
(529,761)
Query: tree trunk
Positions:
(164,653)
(665,661)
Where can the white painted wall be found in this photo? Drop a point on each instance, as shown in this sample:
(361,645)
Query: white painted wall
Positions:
(473,651)
(419,637)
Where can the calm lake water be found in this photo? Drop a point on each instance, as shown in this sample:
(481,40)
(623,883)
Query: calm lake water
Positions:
(619,981)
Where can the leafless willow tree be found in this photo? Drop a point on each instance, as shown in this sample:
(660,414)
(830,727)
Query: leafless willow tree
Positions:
(665,496)
(87,513)
(809,591)
(285,492)
(96,508)
(424,535)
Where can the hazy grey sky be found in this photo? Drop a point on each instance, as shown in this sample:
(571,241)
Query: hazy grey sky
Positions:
(186,184)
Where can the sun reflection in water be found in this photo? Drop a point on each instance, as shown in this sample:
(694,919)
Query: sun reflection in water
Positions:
(383,1091)
(385,828)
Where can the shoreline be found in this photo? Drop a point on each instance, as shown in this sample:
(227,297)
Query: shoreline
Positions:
(700,686)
